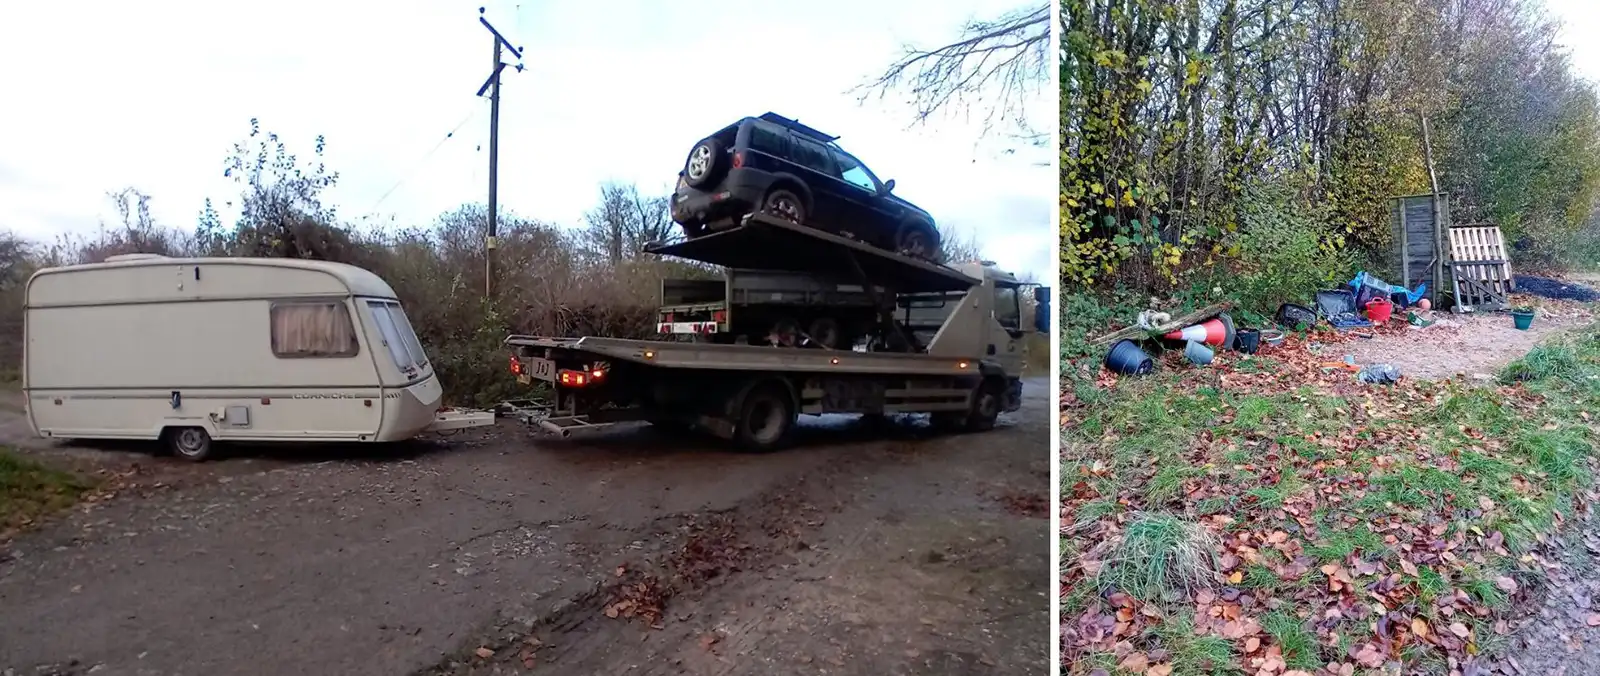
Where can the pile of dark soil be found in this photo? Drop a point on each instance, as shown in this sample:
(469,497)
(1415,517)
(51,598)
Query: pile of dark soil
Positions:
(1546,287)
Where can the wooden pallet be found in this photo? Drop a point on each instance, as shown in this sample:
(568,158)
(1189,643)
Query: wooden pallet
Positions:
(1475,295)
(1478,252)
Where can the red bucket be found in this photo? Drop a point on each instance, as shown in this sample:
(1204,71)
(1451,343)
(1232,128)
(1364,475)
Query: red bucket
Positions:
(1379,310)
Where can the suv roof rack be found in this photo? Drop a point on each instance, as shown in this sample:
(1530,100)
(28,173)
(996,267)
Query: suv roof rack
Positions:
(794,125)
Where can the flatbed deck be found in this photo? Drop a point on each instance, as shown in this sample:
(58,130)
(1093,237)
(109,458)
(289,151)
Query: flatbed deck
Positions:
(766,243)
(731,358)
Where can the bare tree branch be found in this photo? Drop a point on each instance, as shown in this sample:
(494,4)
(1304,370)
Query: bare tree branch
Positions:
(996,64)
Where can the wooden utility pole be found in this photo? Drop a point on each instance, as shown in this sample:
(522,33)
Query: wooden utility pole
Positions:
(1441,247)
(492,85)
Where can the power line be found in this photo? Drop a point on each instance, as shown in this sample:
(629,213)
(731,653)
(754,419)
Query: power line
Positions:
(420,163)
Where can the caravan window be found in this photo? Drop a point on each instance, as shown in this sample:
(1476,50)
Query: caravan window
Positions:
(408,334)
(320,329)
(391,335)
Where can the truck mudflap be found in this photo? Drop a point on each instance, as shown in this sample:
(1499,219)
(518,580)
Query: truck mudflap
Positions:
(459,419)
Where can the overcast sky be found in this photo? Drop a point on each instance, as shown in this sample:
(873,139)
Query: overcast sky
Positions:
(105,94)
(1580,19)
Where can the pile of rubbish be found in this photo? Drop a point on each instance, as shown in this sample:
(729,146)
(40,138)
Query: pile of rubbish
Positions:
(1365,302)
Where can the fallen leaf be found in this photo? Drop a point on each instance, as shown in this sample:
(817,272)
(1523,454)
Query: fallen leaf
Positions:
(1594,619)
(1135,662)
(1506,584)
(1460,629)
(1485,503)
(1235,577)
(1419,627)
(485,653)
(1159,670)
(1369,656)
(1251,645)
(707,640)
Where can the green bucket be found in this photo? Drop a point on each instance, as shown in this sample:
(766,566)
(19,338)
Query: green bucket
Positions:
(1523,320)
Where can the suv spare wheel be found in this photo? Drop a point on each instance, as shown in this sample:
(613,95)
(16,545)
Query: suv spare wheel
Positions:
(706,163)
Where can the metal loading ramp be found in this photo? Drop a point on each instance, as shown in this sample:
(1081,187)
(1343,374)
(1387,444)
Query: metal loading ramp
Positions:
(762,242)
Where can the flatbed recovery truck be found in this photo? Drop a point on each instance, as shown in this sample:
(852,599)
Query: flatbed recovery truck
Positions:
(964,376)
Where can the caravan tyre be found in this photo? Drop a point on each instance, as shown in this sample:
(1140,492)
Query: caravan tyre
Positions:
(189,443)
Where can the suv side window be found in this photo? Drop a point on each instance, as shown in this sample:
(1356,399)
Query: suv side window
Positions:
(811,155)
(854,172)
(764,139)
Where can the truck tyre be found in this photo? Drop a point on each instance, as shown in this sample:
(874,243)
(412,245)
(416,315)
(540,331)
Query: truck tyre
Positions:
(986,406)
(189,443)
(785,205)
(825,333)
(766,416)
(705,164)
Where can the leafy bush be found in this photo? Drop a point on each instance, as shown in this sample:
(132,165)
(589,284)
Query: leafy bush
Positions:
(1285,251)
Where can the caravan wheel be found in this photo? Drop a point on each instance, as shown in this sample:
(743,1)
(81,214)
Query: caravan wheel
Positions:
(189,443)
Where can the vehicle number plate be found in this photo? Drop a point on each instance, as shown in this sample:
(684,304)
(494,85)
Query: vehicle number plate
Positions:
(542,369)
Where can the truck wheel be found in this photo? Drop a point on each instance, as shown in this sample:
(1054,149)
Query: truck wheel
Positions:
(765,418)
(824,332)
(784,333)
(704,166)
(189,443)
(785,205)
(985,407)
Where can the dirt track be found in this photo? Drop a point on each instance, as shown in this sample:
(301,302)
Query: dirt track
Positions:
(859,552)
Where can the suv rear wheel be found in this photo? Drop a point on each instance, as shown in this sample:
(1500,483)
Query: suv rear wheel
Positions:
(785,205)
(705,164)
(918,240)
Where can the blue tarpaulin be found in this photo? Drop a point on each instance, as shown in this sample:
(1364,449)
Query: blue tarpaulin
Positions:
(1366,279)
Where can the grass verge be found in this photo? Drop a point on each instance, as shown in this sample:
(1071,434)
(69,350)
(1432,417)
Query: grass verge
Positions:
(29,491)
(1351,528)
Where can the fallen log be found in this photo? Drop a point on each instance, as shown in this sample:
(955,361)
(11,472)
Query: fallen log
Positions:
(1190,319)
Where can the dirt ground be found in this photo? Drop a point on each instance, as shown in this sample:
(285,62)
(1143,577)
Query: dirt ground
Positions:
(1561,637)
(1472,345)
(860,551)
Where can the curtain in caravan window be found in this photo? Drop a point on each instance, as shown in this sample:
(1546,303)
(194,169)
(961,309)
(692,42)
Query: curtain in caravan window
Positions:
(313,330)
(391,334)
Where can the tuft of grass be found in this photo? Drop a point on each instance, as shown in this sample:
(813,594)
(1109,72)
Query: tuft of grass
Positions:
(1430,584)
(1192,654)
(1543,363)
(1340,544)
(1168,483)
(29,490)
(1299,644)
(1558,453)
(1160,557)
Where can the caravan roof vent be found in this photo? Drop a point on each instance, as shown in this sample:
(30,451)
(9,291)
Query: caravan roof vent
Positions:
(122,258)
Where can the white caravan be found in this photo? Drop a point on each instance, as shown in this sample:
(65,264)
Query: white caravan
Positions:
(188,350)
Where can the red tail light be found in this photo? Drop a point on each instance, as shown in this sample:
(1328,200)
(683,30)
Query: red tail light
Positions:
(570,378)
(516,366)
(719,316)
(668,318)
(738,160)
